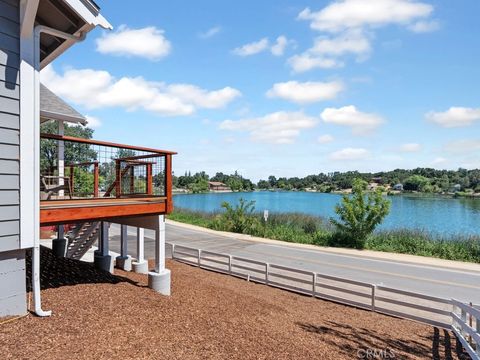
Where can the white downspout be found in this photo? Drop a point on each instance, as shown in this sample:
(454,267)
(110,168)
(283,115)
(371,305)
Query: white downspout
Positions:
(36,248)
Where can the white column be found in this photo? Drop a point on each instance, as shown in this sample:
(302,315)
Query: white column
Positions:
(160,245)
(140,244)
(159,280)
(140,265)
(61,158)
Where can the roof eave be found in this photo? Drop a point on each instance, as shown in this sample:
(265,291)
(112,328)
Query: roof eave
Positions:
(89,12)
(62,117)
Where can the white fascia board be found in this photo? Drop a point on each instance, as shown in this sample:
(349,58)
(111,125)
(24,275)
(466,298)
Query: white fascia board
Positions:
(62,117)
(88,13)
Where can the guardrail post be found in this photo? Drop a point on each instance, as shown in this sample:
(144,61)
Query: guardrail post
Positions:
(470,318)
(199,257)
(230,264)
(314,284)
(267,269)
(463,316)
(374,291)
(477,321)
(173,251)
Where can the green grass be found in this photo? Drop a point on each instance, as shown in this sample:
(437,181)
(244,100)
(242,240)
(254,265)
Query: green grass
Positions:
(306,229)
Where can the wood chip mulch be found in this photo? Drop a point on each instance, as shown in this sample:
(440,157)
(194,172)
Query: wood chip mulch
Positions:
(209,316)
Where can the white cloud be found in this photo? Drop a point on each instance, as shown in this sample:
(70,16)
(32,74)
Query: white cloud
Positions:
(349,25)
(411,147)
(252,48)
(210,32)
(424,26)
(278,49)
(326,51)
(203,98)
(305,62)
(349,154)
(93,122)
(325,139)
(465,146)
(347,14)
(454,117)
(306,92)
(360,122)
(148,42)
(276,128)
(98,89)
(439,160)
(350,42)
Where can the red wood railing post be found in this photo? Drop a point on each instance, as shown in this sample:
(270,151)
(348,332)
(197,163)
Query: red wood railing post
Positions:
(149,179)
(118,179)
(132,180)
(168,183)
(95,179)
(72,184)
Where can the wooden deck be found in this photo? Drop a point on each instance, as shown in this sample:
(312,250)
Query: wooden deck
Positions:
(70,211)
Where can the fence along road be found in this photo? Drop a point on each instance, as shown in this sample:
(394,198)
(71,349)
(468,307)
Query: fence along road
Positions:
(431,281)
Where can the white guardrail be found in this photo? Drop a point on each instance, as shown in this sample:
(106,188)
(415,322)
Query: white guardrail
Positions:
(426,309)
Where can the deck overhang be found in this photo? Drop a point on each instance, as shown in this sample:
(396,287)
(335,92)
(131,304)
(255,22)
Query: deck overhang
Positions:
(71,211)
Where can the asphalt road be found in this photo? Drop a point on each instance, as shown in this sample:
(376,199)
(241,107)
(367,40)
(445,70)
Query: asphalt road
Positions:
(447,283)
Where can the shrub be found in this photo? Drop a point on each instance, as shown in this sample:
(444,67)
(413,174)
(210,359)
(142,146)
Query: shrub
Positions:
(238,219)
(359,215)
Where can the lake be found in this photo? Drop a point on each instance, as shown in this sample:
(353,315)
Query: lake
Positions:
(437,215)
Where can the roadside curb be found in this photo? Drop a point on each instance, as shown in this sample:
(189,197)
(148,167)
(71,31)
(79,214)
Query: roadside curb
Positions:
(367,254)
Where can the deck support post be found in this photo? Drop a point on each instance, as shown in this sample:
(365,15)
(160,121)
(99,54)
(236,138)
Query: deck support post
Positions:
(102,260)
(59,245)
(61,158)
(159,280)
(140,265)
(124,261)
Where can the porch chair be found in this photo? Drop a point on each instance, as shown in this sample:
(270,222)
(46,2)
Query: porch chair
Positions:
(49,189)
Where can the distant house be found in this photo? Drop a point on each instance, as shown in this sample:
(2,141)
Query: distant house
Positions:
(218,186)
(373,185)
(457,187)
(398,187)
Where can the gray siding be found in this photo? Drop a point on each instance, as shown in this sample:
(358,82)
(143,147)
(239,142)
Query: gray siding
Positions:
(12,283)
(9,146)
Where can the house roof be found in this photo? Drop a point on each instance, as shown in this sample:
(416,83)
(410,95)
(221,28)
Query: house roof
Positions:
(54,108)
(216,183)
(75,17)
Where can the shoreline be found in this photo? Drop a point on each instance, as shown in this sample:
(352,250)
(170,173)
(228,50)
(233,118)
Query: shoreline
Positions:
(315,231)
(366,253)
(475,196)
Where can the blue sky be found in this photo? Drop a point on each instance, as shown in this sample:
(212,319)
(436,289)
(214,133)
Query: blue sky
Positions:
(288,88)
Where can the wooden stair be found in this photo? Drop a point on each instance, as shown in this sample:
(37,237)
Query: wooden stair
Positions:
(81,238)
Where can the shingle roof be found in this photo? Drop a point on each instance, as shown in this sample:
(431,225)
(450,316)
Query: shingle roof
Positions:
(54,108)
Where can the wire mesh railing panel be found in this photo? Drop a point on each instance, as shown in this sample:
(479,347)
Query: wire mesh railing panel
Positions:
(89,170)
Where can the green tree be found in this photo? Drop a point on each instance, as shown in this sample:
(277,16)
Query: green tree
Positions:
(416,183)
(201,185)
(360,214)
(74,152)
(238,219)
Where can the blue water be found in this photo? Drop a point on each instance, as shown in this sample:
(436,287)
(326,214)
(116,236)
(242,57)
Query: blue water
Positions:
(437,215)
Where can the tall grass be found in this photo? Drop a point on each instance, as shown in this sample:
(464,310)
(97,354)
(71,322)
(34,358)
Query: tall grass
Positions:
(307,229)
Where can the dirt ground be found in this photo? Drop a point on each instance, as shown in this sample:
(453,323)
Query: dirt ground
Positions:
(209,316)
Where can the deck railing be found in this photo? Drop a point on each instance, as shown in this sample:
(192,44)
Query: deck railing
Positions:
(92,169)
